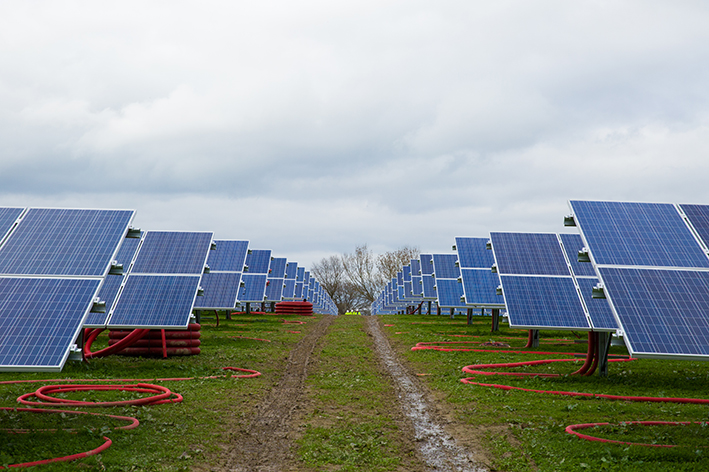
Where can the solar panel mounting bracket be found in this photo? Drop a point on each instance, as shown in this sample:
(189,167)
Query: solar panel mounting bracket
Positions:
(116,268)
(133,233)
(598,291)
(583,255)
(98,306)
(569,220)
(493,268)
(488,245)
(498,290)
(213,246)
(206,269)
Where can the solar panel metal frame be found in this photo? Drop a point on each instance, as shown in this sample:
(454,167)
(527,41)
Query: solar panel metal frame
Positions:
(612,291)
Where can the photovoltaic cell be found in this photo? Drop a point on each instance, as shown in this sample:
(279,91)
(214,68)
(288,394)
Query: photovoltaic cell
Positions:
(258,261)
(220,290)
(602,318)
(473,253)
(41,344)
(50,241)
(449,293)
(8,216)
(155,301)
(663,312)
(699,217)
(107,293)
(637,234)
(543,302)
(572,245)
(229,256)
(528,253)
(254,288)
(173,252)
(480,288)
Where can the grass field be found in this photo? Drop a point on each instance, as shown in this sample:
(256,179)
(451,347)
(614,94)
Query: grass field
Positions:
(525,431)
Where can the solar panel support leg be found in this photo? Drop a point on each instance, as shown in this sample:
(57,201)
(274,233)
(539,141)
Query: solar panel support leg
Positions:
(198,316)
(438,309)
(470,316)
(535,337)
(452,313)
(227,316)
(604,344)
(495,320)
(248,308)
(273,307)
(429,307)
(263,307)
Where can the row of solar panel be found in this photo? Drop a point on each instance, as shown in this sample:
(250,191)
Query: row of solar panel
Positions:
(648,276)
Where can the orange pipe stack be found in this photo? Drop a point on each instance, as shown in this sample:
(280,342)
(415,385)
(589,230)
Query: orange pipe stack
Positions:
(294,308)
(176,342)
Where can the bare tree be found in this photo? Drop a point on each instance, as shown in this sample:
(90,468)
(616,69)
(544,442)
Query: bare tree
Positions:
(361,269)
(389,263)
(330,272)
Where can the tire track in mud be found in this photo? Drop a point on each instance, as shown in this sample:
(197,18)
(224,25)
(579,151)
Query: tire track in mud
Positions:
(437,448)
(266,444)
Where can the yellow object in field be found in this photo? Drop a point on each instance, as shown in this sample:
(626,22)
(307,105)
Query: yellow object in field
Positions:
(353,313)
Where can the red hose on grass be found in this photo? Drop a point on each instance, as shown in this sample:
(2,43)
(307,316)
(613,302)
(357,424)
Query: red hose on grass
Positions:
(571,429)
(129,340)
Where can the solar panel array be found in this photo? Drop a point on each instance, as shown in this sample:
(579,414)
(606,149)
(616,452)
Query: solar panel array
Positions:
(221,284)
(654,271)
(160,290)
(539,287)
(52,264)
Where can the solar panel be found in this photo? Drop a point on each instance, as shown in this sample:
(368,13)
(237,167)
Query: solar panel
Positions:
(298,290)
(301,274)
(289,289)
(220,291)
(444,266)
(429,287)
(229,256)
(258,261)
(449,293)
(51,241)
(155,302)
(39,320)
(480,288)
(253,288)
(637,234)
(698,216)
(473,253)
(417,286)
(8,217)
(550,302)
(291,270)
(173,252)
(426,264)
(528,253)
(653,273)
(274,290)
(277,269)
(538,287)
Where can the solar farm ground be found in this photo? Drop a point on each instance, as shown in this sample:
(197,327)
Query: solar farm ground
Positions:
(325,401)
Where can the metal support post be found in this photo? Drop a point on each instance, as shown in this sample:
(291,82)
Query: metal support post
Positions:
(438,309)
(470,316)
(429,308)
(495,320)
(535,338)
(452,312)
(248,308)
(604,345)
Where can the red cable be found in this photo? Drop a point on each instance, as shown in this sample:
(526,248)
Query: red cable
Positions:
(571,429)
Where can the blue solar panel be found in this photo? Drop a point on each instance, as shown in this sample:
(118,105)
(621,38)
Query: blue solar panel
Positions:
(254,288)
(480,288)
(528,253)
(289,289)
(229,256)
(449,293)
(8,217)
(220,290)
(40,319)
(416,286)
(473,253)
(572,245)
(301,274)
(429,289)
(127,251)
(534,302)
(107,293)
(598,308)
(663,312)
(274,290)
(408,291)
(172,252)
(64,242)
(415,267)
(406,271)
(277,269)
(699,217)
(298,290)
(444,266)
(155,301)
(637,234)
(291,270)
(258,261)
(426,264)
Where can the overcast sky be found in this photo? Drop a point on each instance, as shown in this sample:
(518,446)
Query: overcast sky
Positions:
(310,127)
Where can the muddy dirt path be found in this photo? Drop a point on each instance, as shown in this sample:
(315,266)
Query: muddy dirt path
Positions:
(266,444)
(438,448)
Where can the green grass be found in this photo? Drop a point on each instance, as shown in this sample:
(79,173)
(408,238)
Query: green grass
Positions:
(171,437)
(350,425)
(526,430)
